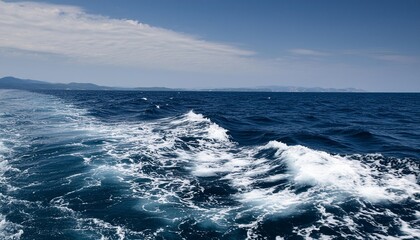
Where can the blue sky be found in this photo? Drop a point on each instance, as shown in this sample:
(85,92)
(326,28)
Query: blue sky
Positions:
(372,45)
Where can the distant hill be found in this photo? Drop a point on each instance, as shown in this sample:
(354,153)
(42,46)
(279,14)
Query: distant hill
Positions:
(27,84)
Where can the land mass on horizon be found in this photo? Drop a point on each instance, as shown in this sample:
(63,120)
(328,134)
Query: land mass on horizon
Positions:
(28,84)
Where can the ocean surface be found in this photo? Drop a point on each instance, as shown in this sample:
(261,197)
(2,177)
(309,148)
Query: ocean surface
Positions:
(209,165)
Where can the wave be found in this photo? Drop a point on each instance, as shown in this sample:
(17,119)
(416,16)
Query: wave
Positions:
(186,170)
(269,181)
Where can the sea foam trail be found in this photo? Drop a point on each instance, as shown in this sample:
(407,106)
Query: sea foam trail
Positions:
(8,230)
(187,170)
(36,132)
(267,183)
(305,166)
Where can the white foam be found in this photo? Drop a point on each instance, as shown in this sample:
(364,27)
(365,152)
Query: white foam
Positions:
(119,231)
(4,166)
(9,230)
(195,143)
(195,117)
(413,233)
(269,201)
(3,148)
(277,177)
(331,177)
(317,168)
(218,133)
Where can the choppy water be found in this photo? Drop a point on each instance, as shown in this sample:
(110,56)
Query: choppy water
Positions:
(190,165)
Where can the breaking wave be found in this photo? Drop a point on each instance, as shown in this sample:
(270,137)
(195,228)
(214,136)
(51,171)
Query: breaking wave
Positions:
(185,176)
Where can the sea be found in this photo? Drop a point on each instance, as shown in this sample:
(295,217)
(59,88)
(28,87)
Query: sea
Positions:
(209,165)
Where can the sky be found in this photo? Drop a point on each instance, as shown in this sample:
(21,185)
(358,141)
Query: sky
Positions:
(366,44)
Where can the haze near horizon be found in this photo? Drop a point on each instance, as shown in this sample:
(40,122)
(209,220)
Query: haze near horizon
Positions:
(371,45)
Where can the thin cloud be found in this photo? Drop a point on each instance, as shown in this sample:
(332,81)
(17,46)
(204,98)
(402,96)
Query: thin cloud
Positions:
(308,52)
(69,31)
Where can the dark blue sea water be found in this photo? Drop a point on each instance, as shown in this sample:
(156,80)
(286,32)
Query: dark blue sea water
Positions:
(204,165)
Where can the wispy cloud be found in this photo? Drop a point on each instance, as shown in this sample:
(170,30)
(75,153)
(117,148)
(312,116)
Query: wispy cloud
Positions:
(308,52)
(71,32)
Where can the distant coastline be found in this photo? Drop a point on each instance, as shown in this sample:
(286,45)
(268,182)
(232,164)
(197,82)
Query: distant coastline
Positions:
(28,84)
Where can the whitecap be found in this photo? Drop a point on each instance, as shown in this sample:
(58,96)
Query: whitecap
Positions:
(317,168)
